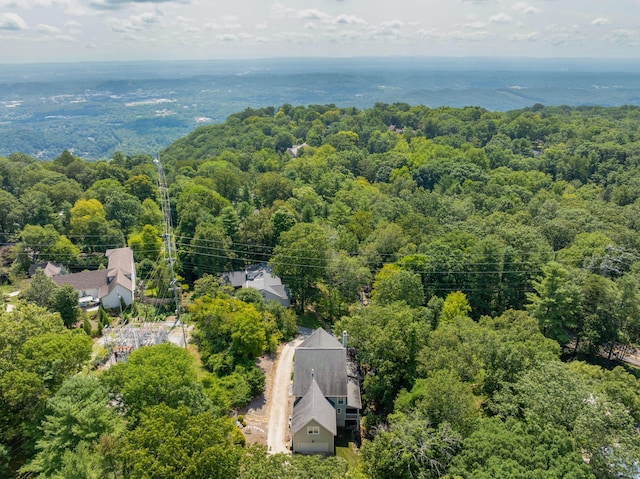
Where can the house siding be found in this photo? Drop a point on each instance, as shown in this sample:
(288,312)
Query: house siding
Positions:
(113,301)
(341,409)
(301,439)
(268,296)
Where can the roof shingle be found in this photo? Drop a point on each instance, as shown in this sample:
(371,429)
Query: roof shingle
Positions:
(313,406)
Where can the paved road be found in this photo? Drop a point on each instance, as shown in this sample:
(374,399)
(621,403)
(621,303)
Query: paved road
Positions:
(279,404)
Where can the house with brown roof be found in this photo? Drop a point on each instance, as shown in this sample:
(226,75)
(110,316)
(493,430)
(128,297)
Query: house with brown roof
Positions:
(50,269)
(327,393)
(108,286)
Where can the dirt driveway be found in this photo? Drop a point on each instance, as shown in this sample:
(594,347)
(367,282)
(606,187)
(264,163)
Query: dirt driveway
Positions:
(279,407)
(267,416)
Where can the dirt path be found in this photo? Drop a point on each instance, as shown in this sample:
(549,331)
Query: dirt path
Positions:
(279,403)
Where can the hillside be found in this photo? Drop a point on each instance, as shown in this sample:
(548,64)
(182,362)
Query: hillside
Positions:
(96,109)
(484,264)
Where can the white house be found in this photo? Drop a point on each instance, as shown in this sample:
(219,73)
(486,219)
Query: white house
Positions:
(323,380)
(108,285)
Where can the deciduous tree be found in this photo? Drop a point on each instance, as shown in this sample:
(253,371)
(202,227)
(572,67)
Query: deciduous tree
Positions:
(300,259)
(555,303)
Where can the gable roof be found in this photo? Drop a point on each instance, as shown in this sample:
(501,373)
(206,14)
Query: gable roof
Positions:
(320,339)
(293,151)
(50,268)
(323,354)
(118,272)
(260,277)
(120,261)
(235,278)
(313,407)
(84,280)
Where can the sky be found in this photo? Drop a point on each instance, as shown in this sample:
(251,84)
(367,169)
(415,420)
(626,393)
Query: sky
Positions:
(110,30)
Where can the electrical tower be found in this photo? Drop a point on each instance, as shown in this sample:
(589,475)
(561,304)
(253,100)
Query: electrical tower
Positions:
(169,243)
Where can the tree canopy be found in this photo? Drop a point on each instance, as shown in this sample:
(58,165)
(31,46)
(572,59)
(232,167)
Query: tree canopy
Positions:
(478,260)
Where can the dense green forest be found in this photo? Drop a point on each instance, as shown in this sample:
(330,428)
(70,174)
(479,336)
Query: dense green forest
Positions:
(485,265)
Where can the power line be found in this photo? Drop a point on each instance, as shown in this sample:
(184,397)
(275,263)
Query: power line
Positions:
(170,247)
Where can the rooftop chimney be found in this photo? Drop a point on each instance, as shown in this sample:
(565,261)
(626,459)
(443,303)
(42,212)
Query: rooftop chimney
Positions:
(344,339)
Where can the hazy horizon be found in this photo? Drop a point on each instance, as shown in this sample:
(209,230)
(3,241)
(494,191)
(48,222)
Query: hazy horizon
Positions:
(37,31)
(95,108)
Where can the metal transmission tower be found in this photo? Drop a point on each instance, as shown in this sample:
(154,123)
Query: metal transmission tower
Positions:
(169,242)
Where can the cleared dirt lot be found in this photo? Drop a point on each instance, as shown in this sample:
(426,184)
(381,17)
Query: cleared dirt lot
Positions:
(255,414)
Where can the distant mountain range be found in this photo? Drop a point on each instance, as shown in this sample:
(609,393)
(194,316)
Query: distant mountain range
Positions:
(94,109)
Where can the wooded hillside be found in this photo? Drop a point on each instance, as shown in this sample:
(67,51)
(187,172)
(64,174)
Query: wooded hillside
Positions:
(486,266)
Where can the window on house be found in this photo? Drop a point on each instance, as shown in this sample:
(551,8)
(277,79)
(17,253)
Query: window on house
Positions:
(340,400)
(313,429)
(339,411)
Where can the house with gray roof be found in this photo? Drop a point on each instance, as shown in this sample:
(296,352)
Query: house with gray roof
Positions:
(117,281)
(259,276)
(321,366)
(295,149)
(313,423)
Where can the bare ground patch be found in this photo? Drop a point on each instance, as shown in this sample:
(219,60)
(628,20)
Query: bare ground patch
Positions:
(256,413)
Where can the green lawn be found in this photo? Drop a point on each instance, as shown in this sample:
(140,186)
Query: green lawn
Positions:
(345,448)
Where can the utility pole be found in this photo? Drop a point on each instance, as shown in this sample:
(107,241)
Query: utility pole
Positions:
(169,243)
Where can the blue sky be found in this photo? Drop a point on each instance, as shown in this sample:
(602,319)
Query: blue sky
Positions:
(105,30)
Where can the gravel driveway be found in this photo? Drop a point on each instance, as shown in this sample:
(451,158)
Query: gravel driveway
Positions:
(279,407)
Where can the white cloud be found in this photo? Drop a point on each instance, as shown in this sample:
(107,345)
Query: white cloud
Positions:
(562,35)
(225,23)
(134,23)
(232,37)
(27,4)
(120,4)
(280,11)
(146,19)
(522,7)
(476,25)
(294,38)
(313,14)
(524,37)
(66,38)
(423,33)
(165,28)
(624,37)
(500,18)
(346,36)
(455,35)
(185,24)
(461,36)
(118,25)
(12,21)
(349,20)
(392,24)
(48,29)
